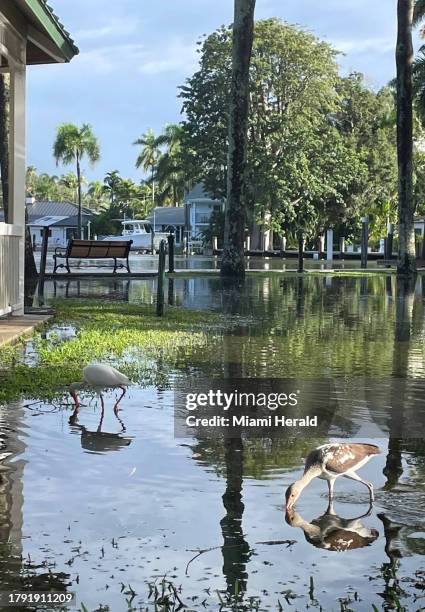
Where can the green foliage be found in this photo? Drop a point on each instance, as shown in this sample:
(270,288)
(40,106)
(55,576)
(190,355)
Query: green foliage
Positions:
(215,228)
(149,154)
(164,159)
(45,187)
(321,147)
(73,142)
(129,335)
(170,169)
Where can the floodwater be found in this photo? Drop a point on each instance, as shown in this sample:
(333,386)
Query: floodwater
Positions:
(103,508)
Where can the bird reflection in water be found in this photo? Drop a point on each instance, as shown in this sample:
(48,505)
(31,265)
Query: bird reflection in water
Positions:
(333,532)
(99,441)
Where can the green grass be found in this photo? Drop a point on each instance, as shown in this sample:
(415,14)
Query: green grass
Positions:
(186,274)
(130,336)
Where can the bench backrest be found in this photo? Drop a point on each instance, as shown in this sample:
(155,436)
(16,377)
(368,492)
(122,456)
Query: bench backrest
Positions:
(99,249)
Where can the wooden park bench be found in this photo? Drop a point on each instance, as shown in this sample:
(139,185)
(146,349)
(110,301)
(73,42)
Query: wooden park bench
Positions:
(94,249)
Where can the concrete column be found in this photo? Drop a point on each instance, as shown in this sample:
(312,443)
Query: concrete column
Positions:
(342,244)
(17,165)
(329,244)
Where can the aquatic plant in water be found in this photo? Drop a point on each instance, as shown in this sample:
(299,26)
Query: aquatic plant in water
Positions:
(127,335)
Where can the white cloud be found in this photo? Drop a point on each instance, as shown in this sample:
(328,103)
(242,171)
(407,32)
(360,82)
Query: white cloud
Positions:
(365,45)
(114,28)
(175,56)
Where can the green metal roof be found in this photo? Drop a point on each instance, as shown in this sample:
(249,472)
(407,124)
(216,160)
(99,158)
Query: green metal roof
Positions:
(53,27)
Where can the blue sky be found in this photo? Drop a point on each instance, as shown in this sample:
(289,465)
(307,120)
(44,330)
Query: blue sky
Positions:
(134,54)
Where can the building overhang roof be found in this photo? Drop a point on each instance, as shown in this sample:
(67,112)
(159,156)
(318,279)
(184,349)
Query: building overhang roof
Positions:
(48,41)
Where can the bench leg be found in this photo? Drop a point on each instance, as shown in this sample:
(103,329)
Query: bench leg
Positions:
(115,265)
(67,266)
(128,266)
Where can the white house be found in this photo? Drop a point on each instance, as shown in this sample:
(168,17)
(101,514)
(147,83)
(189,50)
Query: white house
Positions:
(30,33)
(166,218)
(60,217)
(199,207)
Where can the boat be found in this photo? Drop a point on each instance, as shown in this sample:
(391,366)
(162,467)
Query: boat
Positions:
(140,231)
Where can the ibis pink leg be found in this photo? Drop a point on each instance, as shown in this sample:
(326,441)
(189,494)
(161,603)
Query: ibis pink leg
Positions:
(331,489)
(124,391)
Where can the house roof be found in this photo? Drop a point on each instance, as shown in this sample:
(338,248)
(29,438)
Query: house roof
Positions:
(48,40)
(72,221)
(168,215)
(54,209)
(198,194)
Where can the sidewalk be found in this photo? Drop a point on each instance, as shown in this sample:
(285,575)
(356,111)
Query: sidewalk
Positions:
(12,328)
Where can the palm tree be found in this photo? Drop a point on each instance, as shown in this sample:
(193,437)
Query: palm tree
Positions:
(96,195)
(46,187)
(112,182)
(170,172)
(406,265)
(419,64)
(233,262)
(72,144)
(68,186)
(149,155)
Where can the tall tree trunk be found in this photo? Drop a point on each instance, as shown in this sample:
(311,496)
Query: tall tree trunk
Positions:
(233,263)
(406,264)
(30,267)
(4,145)
(80,203)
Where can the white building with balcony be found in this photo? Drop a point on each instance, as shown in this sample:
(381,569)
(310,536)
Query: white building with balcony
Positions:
(199,207)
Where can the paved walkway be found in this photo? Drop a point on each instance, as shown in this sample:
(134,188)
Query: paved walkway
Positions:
(12,328)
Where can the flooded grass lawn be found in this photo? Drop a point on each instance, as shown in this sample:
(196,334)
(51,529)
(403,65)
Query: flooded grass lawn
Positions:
(106,508)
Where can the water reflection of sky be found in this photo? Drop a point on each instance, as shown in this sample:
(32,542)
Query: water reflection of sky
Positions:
(128,512)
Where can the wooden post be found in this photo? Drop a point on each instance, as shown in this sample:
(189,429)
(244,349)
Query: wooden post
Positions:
(300,252)
(171,291)
(389,242)
(330,244)
(283,244)
(248,244)
(365,241)
(423,242)
(161,279)
(43,261)
(171,253)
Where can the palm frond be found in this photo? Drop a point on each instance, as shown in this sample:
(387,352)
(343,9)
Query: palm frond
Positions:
(418,12)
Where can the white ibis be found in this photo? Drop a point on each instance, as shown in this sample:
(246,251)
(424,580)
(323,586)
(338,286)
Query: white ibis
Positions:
(100,377)
(331,461)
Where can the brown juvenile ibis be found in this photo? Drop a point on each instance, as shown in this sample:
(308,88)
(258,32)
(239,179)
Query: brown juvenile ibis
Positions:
(331,461)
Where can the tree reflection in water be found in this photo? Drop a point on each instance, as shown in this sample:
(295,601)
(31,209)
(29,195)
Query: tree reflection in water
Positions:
(235,550)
